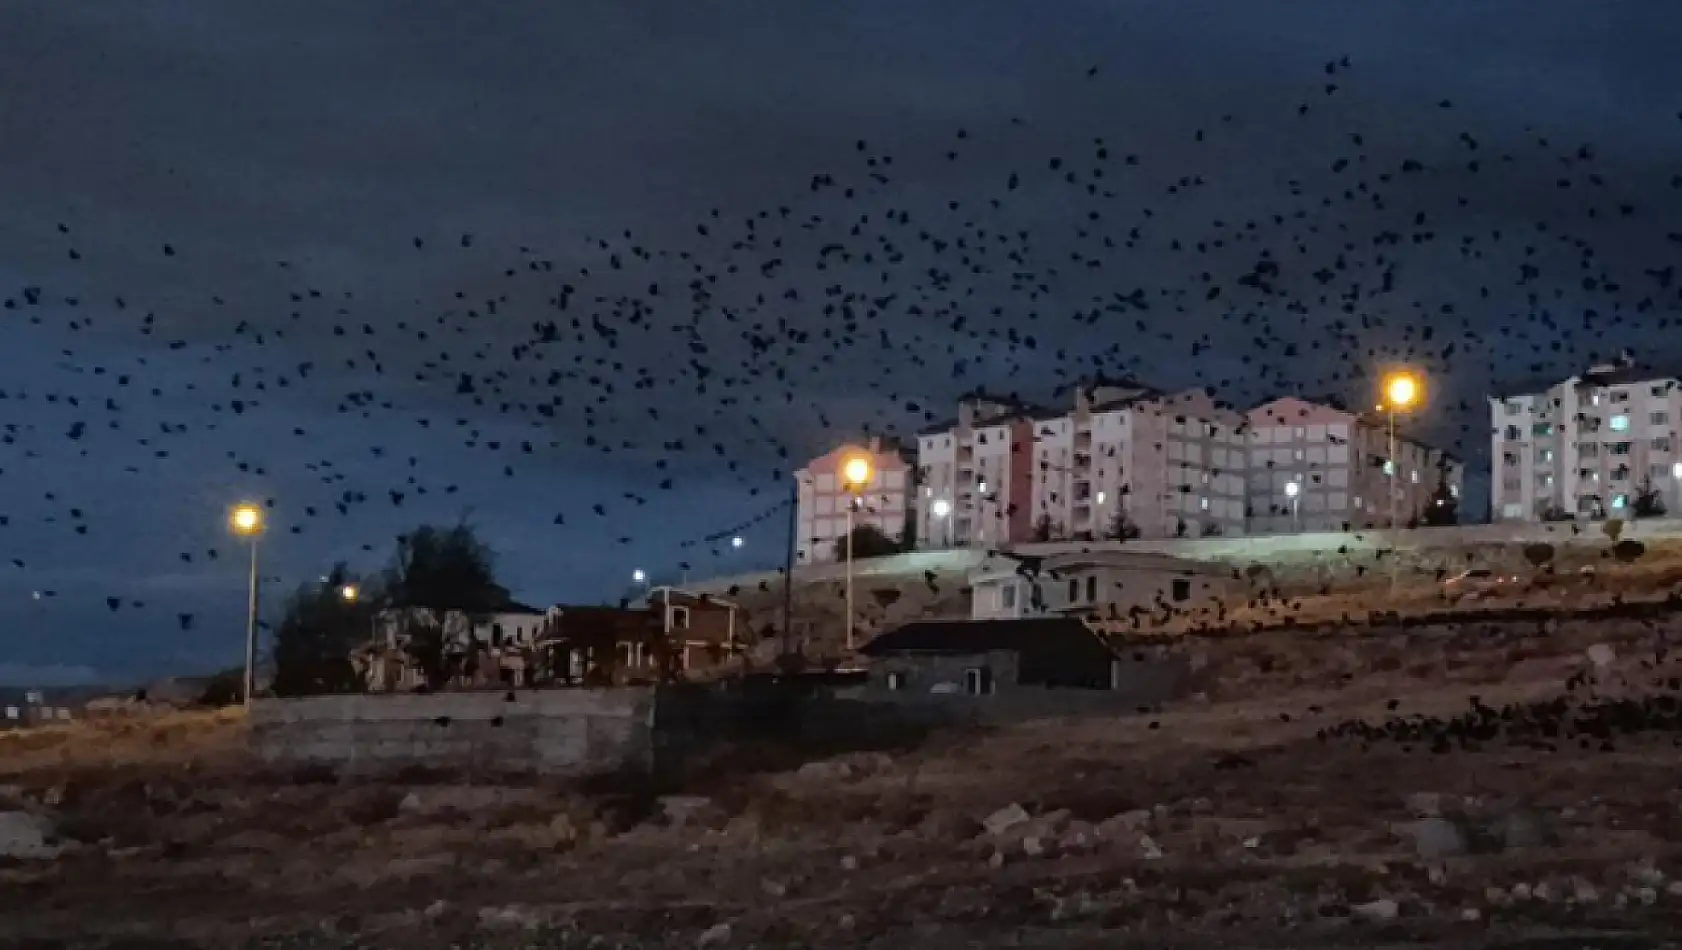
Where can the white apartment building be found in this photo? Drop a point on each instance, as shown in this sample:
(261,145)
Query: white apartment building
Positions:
(1587,446)
(1131,460)
(822,499)
(975,475)
(1314,467)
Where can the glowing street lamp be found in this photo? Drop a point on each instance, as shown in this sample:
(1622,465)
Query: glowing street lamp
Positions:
(1402,389)
(736,542)
(349,593)
(246,521)
(941,508)
(639,576)
(856,472)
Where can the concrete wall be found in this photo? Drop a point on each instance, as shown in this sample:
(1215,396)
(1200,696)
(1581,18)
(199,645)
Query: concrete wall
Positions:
(1263,549)
(565,732)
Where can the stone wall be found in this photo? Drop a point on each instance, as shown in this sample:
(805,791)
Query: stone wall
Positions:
(564,732)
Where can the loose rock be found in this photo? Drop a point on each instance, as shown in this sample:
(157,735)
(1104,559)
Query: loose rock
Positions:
(1006,818)
(28,837)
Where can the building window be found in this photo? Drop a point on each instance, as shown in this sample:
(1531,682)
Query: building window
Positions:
(978,681)
(896,681)
(1512,409)
(1092,588)
(1661,444)
(1619,423)
(1180,590)
(1620,448)
(1659,418)
(1658,390)
(1589,450)
(1007,596)
(1074,591)
(1619,501)
(496,634)
(680,618)
(1620,395)
(1542,428)
(1512,433)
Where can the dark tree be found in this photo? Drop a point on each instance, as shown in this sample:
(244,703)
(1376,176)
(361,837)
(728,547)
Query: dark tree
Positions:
(1648,504)
(444,569)
(318,631)
(867,540)
(1042,529)
(1121,527)
(1443,508)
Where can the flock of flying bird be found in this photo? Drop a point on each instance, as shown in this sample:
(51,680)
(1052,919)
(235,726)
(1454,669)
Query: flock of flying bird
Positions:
(861,302)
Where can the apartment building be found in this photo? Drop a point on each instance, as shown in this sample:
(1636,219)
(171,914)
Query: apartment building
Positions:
(975,475)
(823,498)
(1134,461)
(1315,467)
(1588,446)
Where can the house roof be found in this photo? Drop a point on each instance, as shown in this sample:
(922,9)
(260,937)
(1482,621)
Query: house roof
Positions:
(979,636)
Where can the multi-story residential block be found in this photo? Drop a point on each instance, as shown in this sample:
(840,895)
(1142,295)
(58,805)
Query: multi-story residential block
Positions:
(1316,467)
(823,499)
(1133,461)
(1590,446)
(976,475)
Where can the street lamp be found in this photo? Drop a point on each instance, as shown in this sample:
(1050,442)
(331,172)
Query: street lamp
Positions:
(246,521)
(1401,392)
(638,576)
(349,593)
(1292,491)
(941,510)
(736,542)
(856,473)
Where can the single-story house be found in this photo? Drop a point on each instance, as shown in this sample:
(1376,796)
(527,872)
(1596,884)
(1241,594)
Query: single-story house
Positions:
(1103,585)
(958,658)
(486,649)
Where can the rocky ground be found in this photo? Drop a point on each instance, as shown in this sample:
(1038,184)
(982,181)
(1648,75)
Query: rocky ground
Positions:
(1316,792)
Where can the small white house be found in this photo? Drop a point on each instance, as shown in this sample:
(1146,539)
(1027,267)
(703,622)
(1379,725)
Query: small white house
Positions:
(1107,584)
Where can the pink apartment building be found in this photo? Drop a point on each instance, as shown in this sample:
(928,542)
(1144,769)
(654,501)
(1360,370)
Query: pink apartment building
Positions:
(821,516)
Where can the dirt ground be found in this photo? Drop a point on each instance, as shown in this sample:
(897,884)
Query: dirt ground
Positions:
(1228,819)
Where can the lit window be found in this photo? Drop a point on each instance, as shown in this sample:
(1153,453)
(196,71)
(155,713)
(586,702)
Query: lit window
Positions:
(1541,428)
(1100,498)
(1619,423)
(1203,503)
(1414,476)
(1619,501)
(1389,467)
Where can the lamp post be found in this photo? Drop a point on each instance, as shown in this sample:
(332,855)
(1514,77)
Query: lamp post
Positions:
(1293,490)
(1401,391)
(942,510)
(246,520)
(856,473)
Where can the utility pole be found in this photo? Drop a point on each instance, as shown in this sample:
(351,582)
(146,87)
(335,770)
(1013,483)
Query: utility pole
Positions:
(788,566)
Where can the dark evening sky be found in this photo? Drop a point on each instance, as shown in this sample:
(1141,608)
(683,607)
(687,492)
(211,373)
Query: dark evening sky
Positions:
(292,155)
